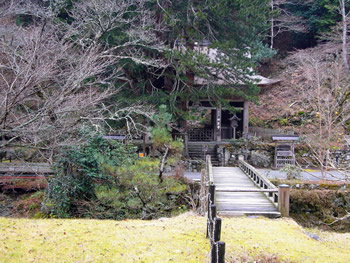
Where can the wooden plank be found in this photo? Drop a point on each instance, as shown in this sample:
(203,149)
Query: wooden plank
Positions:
(250,213)
(237,194)
(233,190)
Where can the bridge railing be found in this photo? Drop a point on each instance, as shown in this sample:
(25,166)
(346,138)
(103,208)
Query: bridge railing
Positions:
(208,207)
(278,196)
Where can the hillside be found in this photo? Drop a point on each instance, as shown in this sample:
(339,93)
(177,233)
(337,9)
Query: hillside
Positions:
(179,239)
(285,105)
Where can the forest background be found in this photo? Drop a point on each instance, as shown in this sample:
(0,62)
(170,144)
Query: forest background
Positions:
(72,71)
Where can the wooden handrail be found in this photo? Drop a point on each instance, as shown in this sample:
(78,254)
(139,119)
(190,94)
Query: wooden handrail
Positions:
(232,190)
(217,247)
(250,170)
(278,196)
(260,181)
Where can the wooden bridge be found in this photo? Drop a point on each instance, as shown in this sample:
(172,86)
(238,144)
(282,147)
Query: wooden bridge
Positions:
(244,191)
(234,191)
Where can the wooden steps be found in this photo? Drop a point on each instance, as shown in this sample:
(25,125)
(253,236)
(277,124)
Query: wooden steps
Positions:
(196,151)
(231,203)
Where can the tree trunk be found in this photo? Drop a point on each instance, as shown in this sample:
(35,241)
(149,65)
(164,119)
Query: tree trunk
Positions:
(345,30)
(272,24)
(162,164)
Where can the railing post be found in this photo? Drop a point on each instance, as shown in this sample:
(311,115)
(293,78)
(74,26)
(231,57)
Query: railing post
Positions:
(221,252)
(218,252)
(210,224)
(211,196)
(283,199)
(217,229)
(213,253)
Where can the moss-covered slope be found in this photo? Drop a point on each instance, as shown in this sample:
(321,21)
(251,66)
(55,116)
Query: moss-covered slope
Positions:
(179,239)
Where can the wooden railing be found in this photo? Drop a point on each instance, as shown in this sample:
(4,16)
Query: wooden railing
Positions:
(278,196)
(201,135)
(217,247)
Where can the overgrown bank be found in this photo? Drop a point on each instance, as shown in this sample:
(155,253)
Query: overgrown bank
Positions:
(320,204)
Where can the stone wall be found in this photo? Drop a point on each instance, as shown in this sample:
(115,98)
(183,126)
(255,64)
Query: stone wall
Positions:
(261,154)
(258,154)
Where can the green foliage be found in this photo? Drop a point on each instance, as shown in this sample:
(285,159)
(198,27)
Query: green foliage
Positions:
(292,171)
(235,28)
(320,15)
(77,170)
(284,121)
(161,131)
(161,137)
(261,52)
(255,122)
(144,194)
(104,179)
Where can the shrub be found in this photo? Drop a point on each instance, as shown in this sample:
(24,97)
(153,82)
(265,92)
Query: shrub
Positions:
(78,170)
(28,205)
(292,171)
(105,179)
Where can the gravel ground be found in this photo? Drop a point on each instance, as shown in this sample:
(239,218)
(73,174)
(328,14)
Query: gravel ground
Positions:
(309,175)
(269,173)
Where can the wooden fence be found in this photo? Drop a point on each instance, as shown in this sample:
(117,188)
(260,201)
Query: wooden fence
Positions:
(266,133)
(201,135)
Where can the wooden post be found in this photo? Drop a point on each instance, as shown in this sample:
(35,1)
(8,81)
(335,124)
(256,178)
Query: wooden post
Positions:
(212,212)
(186,145)
(245,119)
(221,252)
(218,124)
(213,253)
(218,252)
(217,229)
(283,199)
(211,196)
(210,225)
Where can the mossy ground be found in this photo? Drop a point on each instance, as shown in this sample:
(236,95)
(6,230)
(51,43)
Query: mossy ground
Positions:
(281,240)
(179,239)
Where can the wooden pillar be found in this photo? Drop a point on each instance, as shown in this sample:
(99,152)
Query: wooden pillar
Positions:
(185,129)
(213,122)
(218,124)
(283,199)
(245,119)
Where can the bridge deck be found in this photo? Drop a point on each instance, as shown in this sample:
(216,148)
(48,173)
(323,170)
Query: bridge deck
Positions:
(240,203)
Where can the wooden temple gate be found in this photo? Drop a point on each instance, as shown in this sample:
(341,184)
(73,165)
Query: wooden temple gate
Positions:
(224,125)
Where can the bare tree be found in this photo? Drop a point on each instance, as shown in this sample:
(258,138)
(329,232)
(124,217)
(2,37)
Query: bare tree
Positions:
(55,77)
(326,95)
